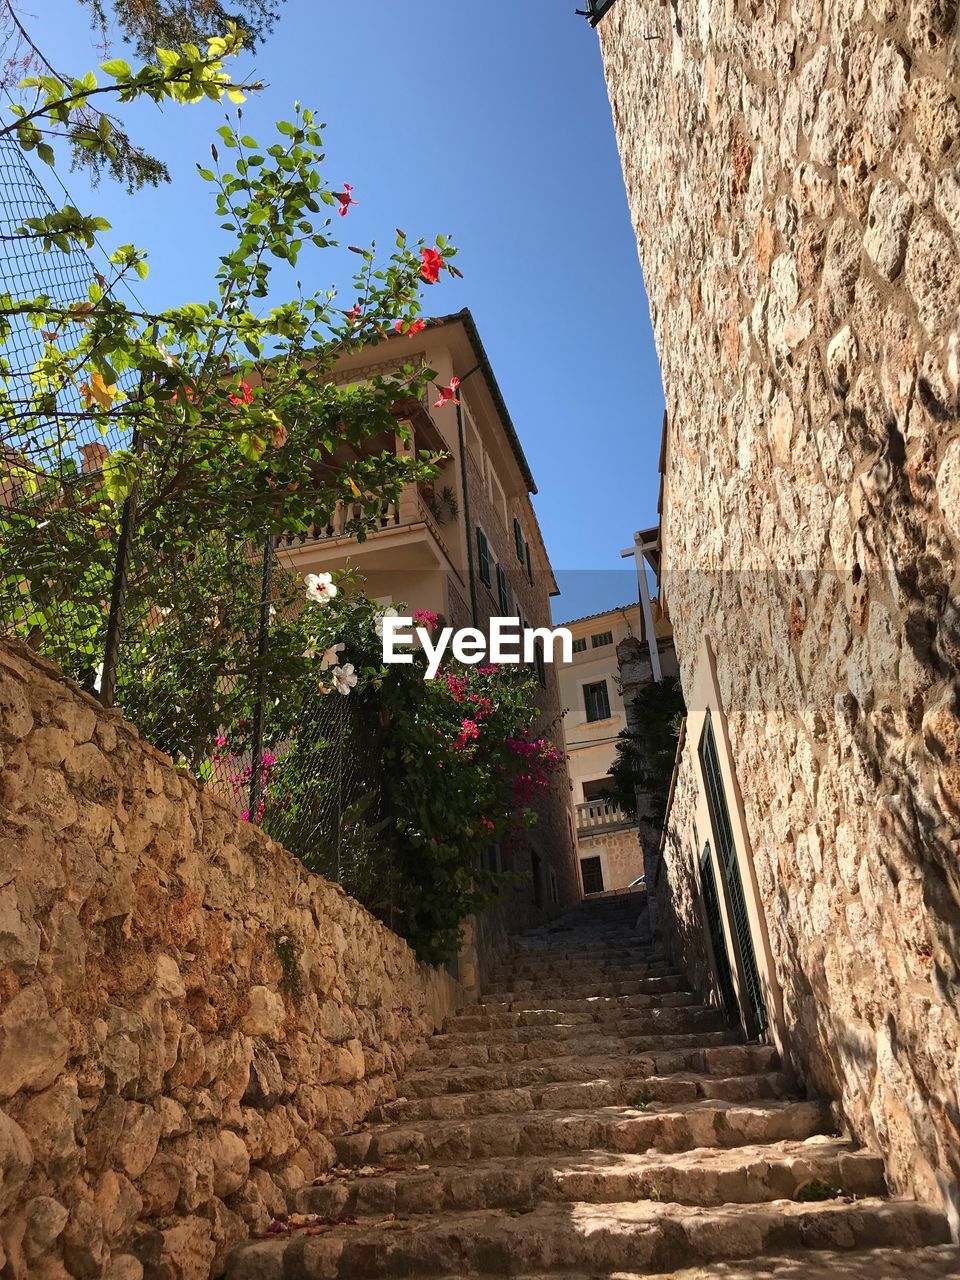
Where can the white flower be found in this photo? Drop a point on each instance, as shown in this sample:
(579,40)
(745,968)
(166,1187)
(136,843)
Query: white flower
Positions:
(320,587)
(344,678)
(388,612)
(311,650)
(331,657)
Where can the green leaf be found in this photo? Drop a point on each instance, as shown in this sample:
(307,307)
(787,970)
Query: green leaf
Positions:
(117,68)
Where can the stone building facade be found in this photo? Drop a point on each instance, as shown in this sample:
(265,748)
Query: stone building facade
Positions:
(793,182)
(187,1016)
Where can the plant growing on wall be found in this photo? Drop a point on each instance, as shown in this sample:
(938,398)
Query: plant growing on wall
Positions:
(646,752)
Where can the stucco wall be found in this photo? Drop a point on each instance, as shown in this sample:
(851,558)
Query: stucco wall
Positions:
(792,177)
(186,1015)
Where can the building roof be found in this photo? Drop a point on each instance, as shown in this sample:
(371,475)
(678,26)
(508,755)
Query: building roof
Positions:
(588,617)
(465,318)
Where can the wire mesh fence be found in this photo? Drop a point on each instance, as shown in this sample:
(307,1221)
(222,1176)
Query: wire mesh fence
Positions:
(165,608)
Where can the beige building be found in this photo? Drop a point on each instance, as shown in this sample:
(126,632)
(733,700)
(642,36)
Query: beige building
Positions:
(468,547)
(792,178)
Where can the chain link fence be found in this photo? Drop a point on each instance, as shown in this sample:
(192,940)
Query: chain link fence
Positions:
(166,611)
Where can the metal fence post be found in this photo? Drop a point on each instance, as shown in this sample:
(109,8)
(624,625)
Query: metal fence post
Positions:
(118,591)
(256,786)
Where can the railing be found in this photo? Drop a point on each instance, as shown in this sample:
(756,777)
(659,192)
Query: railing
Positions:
(602,815)
(344,515)
(411,509)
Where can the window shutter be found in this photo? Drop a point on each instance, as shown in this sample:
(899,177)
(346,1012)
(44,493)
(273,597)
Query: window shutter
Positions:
(540,664)
(518,539)
(503,592)
(526,550)
(483,556)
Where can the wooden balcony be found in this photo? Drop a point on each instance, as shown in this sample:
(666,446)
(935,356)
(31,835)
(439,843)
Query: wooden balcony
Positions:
(597,816)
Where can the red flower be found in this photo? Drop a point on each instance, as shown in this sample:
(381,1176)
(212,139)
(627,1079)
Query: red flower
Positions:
(345,198)
(415,327)
(245,396)
(426,618)
(353,315)
(448,395)
(431,265)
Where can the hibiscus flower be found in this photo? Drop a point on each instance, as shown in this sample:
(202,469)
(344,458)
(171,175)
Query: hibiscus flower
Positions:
(431,265)
(448,395)
(320,587)
(345,198)
(388,612)
(344,678)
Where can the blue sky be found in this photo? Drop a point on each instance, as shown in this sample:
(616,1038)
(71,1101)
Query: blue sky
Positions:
(489,123)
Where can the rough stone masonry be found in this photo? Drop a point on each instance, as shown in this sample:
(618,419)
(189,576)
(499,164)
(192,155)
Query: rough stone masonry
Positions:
(792,176)
(187,1016)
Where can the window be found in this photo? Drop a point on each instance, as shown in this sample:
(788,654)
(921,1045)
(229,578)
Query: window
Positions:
(539,664)
(591,869)
(597,789)
(503,593)
(518,539)
(596,700)
(483,556)
(526,552)
(580,644)
(600,639)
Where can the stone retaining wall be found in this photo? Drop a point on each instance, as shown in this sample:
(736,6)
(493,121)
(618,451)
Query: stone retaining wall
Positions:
(186,1015)
(792,172)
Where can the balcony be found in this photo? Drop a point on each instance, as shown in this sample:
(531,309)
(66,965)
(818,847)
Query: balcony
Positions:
(411,510)
(596,816)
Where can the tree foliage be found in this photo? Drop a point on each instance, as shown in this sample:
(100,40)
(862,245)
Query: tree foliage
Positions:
(646,752)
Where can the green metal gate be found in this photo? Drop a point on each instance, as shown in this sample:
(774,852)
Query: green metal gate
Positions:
(756,1012)
(718,943)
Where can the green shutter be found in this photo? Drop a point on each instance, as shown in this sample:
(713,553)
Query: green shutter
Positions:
(483,556)
(503,592)
(518,539)
(756,1012)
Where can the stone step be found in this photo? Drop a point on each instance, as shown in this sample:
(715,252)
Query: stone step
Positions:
(433,1054)
(585,952)
(514,988)
(722,1061)
(583,1004)
(673,1127)
(579,1013)
(561,968)
(636,1092)
(706,1177)
(935,1262)
(595,1240)
(550,1025)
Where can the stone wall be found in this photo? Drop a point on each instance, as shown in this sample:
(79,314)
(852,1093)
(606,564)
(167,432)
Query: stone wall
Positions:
(679,920)
(186,1015)
(792,176)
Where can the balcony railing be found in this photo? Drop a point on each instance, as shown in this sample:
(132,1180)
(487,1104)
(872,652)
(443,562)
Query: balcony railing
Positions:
(412,509)
(602,815)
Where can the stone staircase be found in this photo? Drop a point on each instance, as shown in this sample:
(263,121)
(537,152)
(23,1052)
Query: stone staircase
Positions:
(593,1118)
